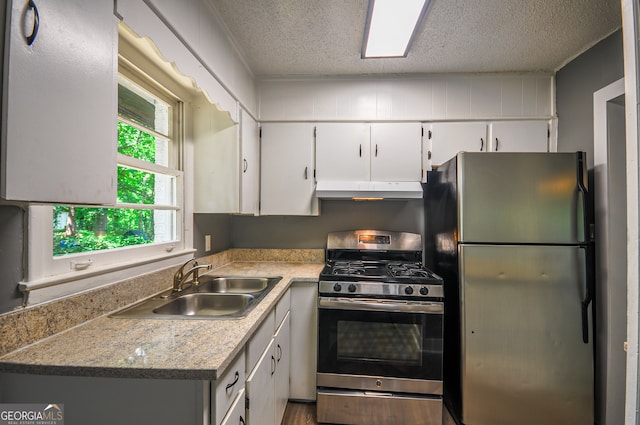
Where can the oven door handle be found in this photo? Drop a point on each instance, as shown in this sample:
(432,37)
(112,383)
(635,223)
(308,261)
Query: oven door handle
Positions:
(378,305)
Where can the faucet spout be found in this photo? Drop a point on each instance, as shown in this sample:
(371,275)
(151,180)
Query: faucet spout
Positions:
(179,274)
(178,283)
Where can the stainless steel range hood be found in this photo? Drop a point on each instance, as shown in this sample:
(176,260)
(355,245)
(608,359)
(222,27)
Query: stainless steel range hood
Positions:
(368,190)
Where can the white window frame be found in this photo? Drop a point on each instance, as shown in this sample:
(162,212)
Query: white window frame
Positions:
(87,270)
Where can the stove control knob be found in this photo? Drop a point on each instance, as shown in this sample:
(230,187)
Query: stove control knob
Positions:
(337,287)
(408,290)
(352,287)
(424,290)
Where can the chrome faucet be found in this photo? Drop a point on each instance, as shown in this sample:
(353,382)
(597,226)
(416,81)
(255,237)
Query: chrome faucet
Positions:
(180,276)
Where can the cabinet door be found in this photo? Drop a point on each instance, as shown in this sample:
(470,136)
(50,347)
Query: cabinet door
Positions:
(304,331)
(216,160)
(228,387)
(236,414)
(60,110)
(260,390)
(343,151)
(282,354)
(287,167)
(250,173)
(449,138)
(520,136)
(395,152)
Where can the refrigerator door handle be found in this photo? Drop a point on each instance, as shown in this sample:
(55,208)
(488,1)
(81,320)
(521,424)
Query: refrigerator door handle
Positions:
(584,193)
(589,289)
(588,297)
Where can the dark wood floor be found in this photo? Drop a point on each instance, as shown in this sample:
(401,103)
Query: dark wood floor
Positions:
(305,414)
(300,414)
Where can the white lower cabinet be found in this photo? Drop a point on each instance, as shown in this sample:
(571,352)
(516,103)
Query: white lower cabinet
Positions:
(304,331)
(261,399)
(236,414)
(228,389)
(282,352)
(267,387)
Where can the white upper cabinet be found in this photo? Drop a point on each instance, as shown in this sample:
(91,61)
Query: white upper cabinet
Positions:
(60,102)
(287,186)
(446,139)
(387,152)
(342,151)
(216,162)
(395,152)
(250,171)
(520,136)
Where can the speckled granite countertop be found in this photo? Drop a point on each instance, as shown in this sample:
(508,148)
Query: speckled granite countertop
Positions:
(168,349)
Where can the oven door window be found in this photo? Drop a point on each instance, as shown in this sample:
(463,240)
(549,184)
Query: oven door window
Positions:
(402,345)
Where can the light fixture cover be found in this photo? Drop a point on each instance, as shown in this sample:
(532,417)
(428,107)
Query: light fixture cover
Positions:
(391,27)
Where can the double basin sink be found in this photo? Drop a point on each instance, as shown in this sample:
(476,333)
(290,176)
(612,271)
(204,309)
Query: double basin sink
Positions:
(215,297)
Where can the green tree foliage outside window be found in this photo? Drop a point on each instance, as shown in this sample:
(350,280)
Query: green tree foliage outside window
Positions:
(79,229)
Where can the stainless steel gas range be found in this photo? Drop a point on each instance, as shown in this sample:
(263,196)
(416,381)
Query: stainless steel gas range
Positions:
(380,321)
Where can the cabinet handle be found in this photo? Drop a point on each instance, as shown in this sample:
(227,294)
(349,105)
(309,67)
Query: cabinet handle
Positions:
(246,165)
(306,173)
(242,421)
(235,381)
(497,144)
(36,23)
(376,150)
(481,144)
(360,150)
(279,353)
(273,365)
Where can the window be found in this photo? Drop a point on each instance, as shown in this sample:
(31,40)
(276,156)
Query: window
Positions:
(145,229)
(147,206)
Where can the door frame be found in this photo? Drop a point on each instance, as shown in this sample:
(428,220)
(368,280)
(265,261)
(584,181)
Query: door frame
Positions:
(604,249)
(630,32)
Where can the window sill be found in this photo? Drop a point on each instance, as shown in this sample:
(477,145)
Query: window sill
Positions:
(51,288)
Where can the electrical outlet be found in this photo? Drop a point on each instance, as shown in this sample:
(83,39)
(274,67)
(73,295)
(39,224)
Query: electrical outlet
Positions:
(207,242)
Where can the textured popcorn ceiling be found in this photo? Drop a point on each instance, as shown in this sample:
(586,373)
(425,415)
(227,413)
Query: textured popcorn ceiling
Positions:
(324,37)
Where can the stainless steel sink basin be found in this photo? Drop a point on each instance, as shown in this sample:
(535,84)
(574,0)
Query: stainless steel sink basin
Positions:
(236,285)
(215,297)
(205,305)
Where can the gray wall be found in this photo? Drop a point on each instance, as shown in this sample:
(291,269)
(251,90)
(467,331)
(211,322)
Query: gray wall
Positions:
(575,85)
(216,225)
(335,215)
(11,249)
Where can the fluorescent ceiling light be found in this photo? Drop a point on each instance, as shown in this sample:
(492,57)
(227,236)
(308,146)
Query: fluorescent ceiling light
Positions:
(391,27)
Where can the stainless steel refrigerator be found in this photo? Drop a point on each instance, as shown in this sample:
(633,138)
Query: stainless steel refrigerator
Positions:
(509,233)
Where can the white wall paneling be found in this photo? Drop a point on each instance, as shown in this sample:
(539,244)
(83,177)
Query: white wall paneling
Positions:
(427,98)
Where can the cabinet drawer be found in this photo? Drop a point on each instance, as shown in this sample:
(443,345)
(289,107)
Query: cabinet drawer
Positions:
(236,413)
(229,386)
(259,341)
(282,308)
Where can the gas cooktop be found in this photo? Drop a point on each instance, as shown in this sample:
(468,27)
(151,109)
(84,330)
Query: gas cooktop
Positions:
(377,264)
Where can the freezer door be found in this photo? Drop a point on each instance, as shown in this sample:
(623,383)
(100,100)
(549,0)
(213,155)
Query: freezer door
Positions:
(520,197)
(523,358)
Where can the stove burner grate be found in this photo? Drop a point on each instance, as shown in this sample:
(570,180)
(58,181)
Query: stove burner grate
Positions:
(407,270)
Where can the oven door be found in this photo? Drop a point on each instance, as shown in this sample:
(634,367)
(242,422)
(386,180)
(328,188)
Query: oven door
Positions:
(382,345)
